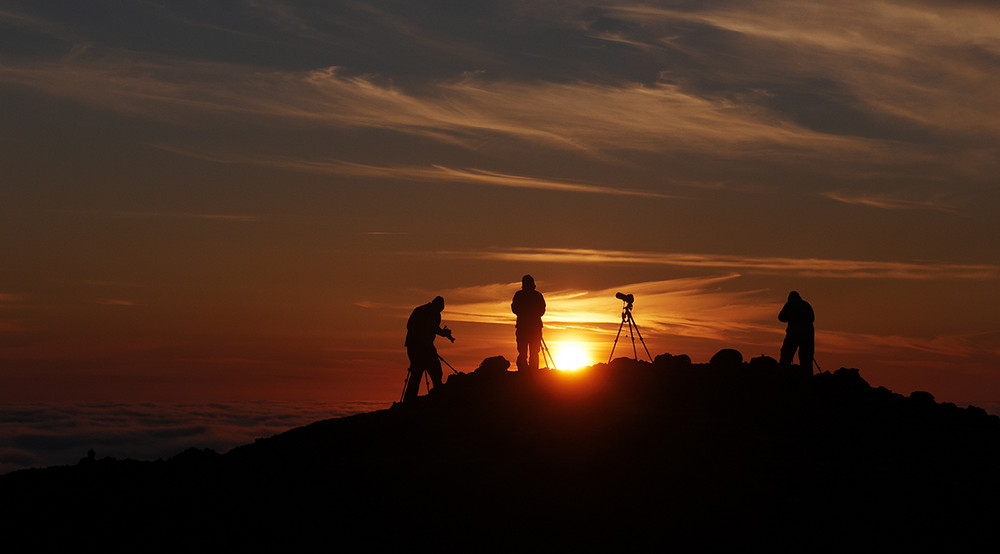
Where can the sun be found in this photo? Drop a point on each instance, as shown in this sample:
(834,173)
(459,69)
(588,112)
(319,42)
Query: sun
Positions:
(570,356)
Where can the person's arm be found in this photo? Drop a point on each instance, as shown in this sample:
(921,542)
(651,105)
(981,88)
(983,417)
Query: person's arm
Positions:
(446,333)
(783,315)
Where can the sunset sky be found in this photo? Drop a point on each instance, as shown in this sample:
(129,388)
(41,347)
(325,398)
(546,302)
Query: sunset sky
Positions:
(205,200)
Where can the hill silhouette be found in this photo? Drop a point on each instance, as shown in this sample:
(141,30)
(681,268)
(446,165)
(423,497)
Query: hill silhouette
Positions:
(628,455)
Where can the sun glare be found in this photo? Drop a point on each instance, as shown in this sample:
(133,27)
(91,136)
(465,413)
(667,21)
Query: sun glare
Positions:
(570,356)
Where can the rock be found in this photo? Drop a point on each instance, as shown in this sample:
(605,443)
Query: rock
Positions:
(726,358)
(492,366)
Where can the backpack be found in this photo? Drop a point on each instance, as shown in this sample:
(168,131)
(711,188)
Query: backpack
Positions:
(494,365)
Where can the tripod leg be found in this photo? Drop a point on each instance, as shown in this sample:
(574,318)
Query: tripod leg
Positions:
(406,382)
(640,338)
(412,387)
(631,335)
(616,340)
(453,370)
(547,353)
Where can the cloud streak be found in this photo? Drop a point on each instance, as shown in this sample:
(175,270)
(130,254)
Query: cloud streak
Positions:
(925,62)
(182,215)
(665,306)
(886,202)
(964,345)
(589,118)
(115,302)
(430,174)
(804,267)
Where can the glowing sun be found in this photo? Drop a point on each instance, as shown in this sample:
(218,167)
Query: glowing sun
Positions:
(570,356)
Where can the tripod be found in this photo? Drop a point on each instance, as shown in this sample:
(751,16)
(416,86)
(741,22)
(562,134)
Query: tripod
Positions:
(427,379)
(627,316)
(546,353)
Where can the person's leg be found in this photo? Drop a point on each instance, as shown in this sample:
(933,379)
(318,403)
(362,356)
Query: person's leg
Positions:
(522,353)
(534,347)
(413,384)
(806,350)
(788,350)
(434,368)
(416,370)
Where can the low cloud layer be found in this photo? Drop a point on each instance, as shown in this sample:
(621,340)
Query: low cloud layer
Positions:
(40,435)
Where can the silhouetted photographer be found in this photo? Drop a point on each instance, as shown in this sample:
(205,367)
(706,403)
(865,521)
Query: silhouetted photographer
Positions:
(422,328)
(529,306)
(799,334)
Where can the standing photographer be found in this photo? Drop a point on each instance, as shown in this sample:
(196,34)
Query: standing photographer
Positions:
(422,328)
(529,305)
(798,314)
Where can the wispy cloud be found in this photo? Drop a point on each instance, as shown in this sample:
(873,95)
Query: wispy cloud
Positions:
(185,215)
(951,345)
(926,62)
(665,306)
(38,25)
(115,302)
(115,284)
(887,202)
(120,214)
(432,173)
(806,267)
(907,63)
(582,117)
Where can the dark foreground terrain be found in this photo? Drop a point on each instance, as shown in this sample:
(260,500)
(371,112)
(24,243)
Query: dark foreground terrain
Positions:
(632,456)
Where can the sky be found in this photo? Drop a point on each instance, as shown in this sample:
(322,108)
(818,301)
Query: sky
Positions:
(206,201)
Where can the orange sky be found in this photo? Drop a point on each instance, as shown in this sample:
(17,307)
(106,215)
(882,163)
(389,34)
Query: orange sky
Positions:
(244,200)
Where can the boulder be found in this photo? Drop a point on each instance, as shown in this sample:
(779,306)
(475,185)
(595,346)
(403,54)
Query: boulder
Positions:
(726,358)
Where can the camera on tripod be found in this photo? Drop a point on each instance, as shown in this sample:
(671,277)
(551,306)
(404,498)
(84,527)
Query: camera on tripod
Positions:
(633,329)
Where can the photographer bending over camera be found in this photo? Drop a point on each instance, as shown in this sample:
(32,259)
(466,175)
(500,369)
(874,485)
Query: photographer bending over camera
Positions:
(422,328)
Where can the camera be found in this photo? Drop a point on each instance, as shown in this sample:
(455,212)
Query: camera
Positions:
(626,298)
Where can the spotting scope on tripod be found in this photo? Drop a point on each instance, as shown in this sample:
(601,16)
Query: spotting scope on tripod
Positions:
(633,329)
